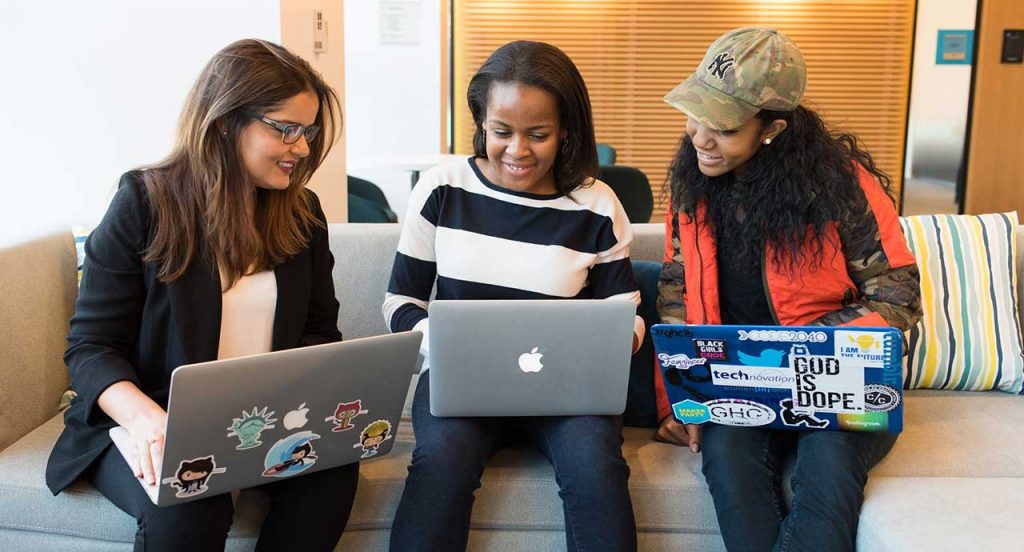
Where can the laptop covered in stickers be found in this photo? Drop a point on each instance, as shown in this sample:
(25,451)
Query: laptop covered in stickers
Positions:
(242,422)
(783,377)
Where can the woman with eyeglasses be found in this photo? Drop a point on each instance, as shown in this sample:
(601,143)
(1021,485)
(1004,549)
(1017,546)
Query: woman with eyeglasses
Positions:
(218,251)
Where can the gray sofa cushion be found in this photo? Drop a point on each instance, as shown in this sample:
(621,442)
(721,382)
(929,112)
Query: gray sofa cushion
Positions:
(518,495)
(363,255)
(958,434)
(81,512)
(519,499)
(942,513)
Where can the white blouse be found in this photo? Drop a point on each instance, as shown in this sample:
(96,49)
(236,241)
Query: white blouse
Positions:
(247,316)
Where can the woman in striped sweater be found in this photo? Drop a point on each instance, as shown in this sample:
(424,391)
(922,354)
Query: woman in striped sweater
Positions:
(524,218)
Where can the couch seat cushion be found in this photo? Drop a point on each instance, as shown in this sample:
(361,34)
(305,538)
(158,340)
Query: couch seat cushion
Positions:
(958,434)
(941,513)
(518,490)
(81,511)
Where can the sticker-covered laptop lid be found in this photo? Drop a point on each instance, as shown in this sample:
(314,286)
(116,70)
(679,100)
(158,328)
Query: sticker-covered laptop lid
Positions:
(795,378)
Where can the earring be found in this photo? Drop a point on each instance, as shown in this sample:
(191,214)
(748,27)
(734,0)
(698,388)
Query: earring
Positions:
(767,141)
(565,146)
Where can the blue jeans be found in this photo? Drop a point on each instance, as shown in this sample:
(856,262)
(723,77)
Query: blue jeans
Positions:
(743,468)
(450,455)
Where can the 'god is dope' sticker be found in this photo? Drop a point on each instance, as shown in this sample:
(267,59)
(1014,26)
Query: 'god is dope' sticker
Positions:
(825,384)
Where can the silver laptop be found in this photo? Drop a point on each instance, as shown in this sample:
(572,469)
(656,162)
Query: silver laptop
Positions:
(246,421)
(529,357)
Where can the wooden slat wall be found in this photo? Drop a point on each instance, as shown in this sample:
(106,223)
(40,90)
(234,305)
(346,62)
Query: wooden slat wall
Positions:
(631,53)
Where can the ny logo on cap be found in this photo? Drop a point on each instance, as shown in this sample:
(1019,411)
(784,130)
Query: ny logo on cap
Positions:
(721,64)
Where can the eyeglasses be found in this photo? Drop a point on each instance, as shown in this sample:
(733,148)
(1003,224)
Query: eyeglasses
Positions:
(290,133)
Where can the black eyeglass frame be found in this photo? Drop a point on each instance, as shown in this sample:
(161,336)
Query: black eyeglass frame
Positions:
(310,132)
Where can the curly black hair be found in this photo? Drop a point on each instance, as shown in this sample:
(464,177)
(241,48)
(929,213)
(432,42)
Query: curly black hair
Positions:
(790,191)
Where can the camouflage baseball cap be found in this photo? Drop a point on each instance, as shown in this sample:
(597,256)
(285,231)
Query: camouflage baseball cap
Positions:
(744,71)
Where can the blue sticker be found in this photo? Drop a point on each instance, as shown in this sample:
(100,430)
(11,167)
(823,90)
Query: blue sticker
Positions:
(291,455)
(767,357)
(691,412)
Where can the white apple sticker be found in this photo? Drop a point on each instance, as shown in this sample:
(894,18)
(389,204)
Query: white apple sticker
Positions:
(530,362)
(296,418)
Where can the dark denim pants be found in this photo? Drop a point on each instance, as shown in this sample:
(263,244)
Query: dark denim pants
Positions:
(450,455)
(743,468)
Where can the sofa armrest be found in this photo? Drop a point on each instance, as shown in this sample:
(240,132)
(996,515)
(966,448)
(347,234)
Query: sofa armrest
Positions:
(38,288)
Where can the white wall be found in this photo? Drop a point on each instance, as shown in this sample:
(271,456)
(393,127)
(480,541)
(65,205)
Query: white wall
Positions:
(93,88)
(392,96)
(939,93)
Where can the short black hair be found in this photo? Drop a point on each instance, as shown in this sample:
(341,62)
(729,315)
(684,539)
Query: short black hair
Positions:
(548,68)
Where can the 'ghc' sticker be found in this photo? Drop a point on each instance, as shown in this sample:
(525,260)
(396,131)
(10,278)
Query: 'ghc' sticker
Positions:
(739,412)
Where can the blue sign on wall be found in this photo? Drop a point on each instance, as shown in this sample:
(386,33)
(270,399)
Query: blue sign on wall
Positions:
(955,47)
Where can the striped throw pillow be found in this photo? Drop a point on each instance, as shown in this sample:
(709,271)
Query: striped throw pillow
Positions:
(969,338)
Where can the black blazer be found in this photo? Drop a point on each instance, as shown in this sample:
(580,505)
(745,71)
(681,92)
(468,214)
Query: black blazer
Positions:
(129,326)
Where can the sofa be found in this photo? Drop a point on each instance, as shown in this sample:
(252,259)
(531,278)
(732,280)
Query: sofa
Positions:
(954,481)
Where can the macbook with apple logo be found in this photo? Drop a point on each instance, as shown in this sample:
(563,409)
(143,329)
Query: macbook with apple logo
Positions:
(243,422)
(529,357)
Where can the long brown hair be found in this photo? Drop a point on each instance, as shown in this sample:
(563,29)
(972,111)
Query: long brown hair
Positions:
(198,193)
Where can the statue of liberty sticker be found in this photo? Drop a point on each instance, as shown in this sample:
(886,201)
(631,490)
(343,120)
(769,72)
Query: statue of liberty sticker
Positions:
(249,427)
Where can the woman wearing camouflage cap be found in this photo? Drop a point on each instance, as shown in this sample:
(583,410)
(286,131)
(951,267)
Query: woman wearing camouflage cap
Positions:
(775,220)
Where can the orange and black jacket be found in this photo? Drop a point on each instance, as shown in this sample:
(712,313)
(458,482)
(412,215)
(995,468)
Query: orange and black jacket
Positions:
(878,285)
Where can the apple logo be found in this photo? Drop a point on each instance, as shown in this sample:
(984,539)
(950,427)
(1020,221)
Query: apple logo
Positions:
(296,418)
(530,362)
